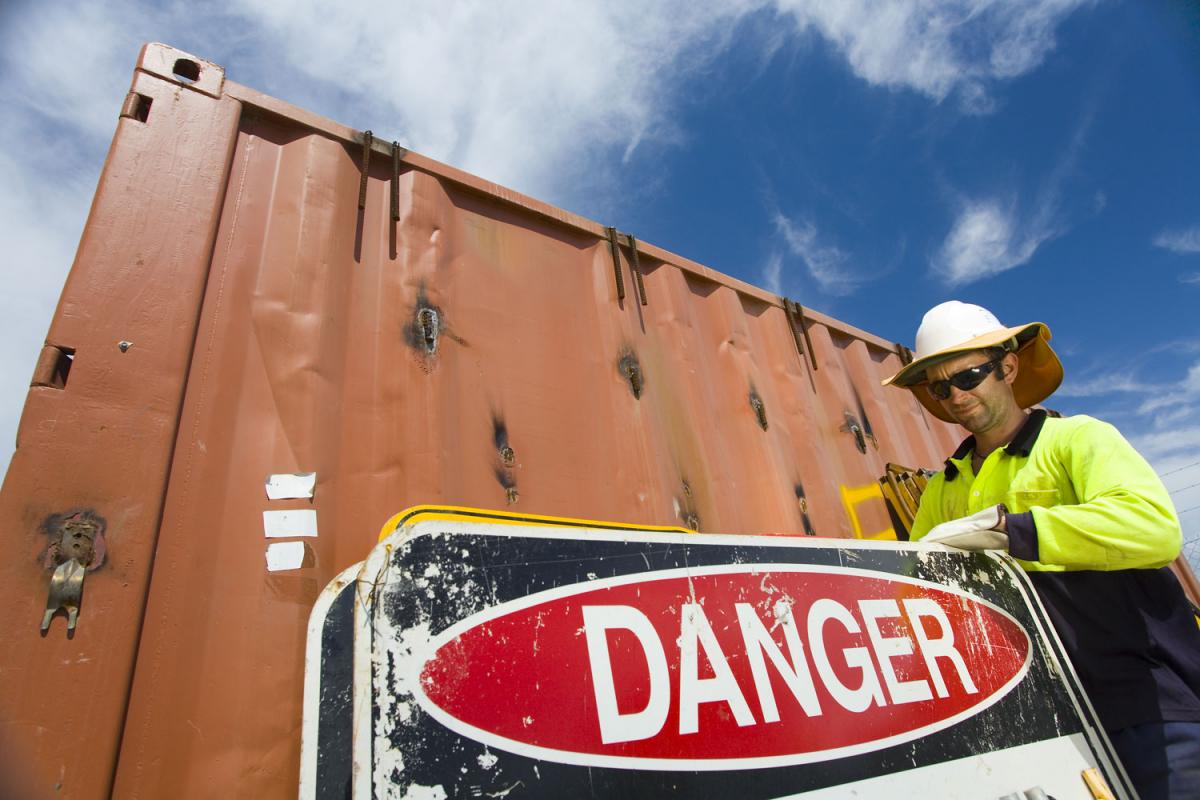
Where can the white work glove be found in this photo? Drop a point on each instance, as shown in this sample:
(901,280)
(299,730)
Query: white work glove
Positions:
(980,531)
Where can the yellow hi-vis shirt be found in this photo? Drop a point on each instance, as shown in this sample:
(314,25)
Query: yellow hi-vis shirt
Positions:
(1096,503)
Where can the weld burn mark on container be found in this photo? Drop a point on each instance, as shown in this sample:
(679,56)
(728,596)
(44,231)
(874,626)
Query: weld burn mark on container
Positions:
(760,408)
(508,483)
(853,427)
(78,535)
(802,502)
(426,325)
(508,456)
(631,370)
(868,433)
(685,509)
(503,469)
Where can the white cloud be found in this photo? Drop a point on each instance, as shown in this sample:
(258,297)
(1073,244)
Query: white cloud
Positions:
(1105,384)
(937,48)
(529,94)
(989,236)
(987,239)
(1183,240)
(1162,444)
(1170,418)
(1192,278)
(772,273)
(542,97)
(828,265)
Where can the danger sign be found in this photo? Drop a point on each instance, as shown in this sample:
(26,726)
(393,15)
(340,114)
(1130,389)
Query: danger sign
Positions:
(506,659)
(781,664)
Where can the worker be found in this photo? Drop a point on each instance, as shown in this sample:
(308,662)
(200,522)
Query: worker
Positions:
(1084,515)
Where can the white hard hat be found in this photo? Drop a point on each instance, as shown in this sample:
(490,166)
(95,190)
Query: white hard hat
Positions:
(954,327)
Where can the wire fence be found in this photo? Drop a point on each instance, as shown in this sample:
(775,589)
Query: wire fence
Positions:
(1191,552)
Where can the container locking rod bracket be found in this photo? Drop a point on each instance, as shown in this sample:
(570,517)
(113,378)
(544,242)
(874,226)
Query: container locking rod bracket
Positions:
(368,141)
(637,267)
(812,355)
(795,315)
(791,316)
(397,154)
(616,257)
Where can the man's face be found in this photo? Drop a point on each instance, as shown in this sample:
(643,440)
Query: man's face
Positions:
(986,407)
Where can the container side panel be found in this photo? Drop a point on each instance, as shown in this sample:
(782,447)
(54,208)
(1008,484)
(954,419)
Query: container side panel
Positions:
(95,440)
(470,353)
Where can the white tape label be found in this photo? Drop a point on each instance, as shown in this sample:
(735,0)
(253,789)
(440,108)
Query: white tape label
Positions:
(287,486)
(285,524)
(285,555)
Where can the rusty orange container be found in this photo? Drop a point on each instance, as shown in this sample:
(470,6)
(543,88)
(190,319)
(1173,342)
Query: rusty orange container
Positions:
(258,291)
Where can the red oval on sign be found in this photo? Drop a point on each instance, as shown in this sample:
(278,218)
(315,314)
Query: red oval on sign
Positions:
(722,667)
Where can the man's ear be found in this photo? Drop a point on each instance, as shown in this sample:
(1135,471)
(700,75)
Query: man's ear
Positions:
(1009,367)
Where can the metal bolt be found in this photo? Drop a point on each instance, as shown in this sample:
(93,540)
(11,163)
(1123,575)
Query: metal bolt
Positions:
(124,346)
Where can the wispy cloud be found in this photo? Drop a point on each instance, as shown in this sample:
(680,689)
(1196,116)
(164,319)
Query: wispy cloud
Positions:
(990,235)
(1100,386)
(1191,277)
(1182,240)
(772,274)
(1170,415)
(987,239)
(960,47)
(827,264)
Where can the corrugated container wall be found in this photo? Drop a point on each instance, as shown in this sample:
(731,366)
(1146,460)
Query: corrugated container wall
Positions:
(252,297)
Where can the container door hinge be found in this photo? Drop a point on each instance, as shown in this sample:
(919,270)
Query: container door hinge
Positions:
(75,548)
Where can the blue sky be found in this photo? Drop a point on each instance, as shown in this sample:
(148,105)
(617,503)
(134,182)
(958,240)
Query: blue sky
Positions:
(867,159)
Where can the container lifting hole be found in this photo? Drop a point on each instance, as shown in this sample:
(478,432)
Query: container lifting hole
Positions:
(137,106)
(54,366)
(186,70)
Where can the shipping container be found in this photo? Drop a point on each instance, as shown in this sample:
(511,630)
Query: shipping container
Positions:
(259,292)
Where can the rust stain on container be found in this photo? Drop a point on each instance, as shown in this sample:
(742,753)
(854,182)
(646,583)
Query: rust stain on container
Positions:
(294,332)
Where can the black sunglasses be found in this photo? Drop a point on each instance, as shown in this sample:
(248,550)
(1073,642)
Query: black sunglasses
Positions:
(966,380)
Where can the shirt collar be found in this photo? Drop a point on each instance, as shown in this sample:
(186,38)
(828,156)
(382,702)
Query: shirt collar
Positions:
(1021,444)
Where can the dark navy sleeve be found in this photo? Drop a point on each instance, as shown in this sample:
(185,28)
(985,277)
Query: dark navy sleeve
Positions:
(1022,536)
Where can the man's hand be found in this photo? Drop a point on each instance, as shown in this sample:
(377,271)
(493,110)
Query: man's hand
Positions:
(980,531)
